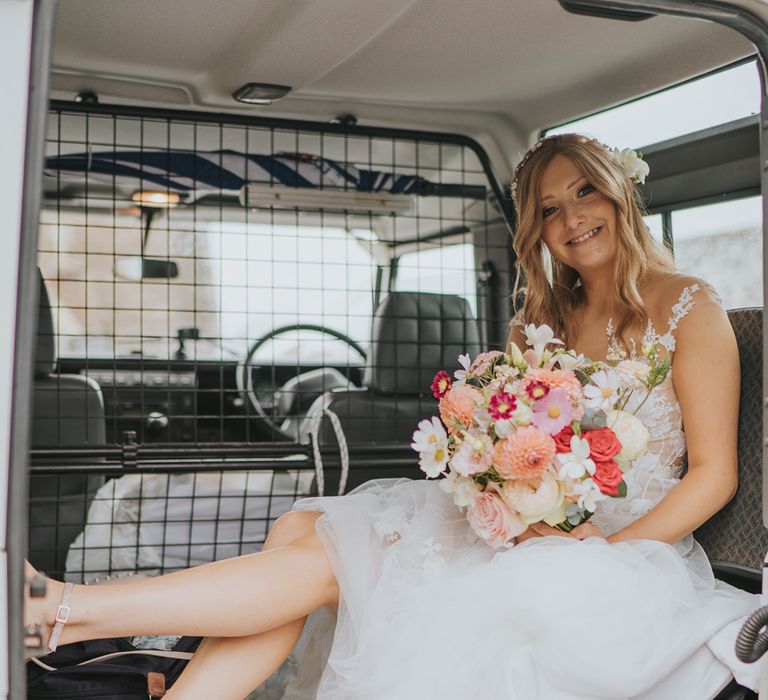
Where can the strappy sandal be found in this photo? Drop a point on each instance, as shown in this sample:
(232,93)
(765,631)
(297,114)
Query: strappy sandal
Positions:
(34,644)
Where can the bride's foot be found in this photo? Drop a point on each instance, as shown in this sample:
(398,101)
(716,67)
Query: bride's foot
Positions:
(46,611)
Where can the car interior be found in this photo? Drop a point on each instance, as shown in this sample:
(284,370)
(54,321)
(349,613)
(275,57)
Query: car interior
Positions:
(265,226)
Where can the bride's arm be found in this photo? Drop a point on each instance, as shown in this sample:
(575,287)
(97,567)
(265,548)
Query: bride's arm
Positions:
(706,379)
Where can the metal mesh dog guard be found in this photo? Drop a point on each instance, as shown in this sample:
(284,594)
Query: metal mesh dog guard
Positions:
(208,284)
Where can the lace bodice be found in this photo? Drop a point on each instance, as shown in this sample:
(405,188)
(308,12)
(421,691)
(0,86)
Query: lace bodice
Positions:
(659,469)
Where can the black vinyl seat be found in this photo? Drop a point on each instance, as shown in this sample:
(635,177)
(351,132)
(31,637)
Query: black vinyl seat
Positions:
(414,335)
(735,539)
(68,411)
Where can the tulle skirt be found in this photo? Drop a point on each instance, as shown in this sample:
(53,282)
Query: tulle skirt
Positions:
(427,611)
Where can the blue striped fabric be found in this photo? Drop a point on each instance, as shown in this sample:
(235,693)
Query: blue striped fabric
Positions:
(184,171)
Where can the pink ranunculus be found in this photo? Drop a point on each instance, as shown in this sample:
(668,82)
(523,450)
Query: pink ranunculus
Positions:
(457,406)
(493,521)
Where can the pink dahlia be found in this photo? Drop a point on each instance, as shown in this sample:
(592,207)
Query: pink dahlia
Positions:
(456,406)
(525,454)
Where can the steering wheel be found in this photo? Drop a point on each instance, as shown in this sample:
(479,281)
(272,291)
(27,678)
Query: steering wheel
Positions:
(244,374)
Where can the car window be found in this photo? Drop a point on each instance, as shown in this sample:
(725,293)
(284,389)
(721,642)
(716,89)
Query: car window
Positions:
(722,243)
(444,270)
(717,98)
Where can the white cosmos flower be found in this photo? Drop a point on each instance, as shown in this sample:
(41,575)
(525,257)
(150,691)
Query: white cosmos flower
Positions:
(603,392)
(431,442)
(460,375)
(589,494)
(429,433)
(538,338)
(434,462)
(576,463)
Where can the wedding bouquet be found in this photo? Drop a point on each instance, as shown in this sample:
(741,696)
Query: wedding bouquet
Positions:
(540,435)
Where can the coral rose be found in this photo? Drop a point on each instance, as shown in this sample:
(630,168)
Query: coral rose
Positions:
(563,439)
(603,444)
(493,521)
(456,406)
(608,476)
(525,454)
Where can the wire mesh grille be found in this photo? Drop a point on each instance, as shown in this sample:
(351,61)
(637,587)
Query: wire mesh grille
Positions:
(219,283)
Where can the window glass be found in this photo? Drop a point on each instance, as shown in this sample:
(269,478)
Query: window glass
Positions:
(654,224)
(714,99)
(235,283)
(722,243)
(446,270)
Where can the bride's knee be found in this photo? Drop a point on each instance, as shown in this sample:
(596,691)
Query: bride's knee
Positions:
(290,527)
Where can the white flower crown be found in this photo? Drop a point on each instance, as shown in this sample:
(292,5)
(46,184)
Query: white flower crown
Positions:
(631,163)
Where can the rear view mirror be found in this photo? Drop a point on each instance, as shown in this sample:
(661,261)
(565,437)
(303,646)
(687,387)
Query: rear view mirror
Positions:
(137,269)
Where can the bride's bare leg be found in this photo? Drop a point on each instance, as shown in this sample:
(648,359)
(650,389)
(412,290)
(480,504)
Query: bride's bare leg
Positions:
(228,668)
(232,598)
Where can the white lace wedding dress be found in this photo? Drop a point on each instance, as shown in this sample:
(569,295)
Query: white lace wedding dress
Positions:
(428,612)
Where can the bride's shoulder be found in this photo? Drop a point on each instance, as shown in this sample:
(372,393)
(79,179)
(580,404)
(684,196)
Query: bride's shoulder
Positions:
(672,296)
(693,314)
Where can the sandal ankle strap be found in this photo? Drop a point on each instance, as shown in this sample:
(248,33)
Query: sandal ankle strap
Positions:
(62,616)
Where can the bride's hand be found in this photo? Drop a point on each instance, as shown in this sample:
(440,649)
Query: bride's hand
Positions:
(580,532)
(588,529)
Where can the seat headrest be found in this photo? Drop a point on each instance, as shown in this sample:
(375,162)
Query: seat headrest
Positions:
(414,335)
(45,351)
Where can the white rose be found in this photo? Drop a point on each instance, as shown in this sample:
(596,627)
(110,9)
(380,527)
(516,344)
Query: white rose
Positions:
(634,167)
(639,370)
(631,432)
(636,372)
(463,490)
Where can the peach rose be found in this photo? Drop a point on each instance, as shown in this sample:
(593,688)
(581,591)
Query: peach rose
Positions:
(493,521)
(457,405)
(536,499)
(525,454)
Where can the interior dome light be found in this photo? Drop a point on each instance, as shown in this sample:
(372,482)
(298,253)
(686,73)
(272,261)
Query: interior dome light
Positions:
(260,93)
(147,198)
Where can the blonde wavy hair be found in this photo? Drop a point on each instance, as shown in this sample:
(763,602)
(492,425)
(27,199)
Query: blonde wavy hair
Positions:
(552,290)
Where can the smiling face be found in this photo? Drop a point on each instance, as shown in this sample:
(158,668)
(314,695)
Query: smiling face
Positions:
(579,223)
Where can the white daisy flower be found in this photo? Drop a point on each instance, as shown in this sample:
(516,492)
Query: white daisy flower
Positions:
(603,392)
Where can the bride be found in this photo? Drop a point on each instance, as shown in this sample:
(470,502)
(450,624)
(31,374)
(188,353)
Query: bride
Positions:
(624,606)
